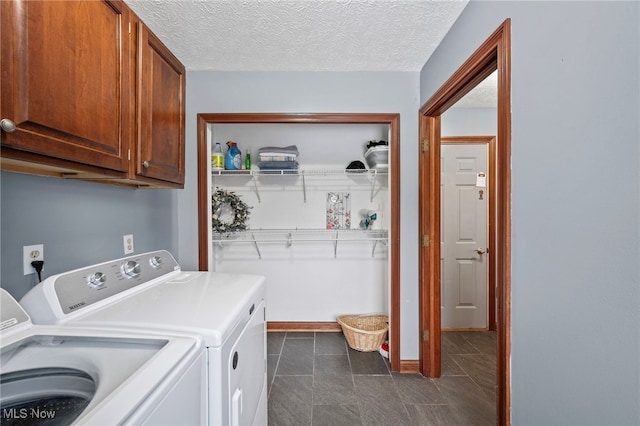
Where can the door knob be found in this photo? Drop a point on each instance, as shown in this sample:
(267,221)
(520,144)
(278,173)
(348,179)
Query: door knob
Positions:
(145,164)
(480,250)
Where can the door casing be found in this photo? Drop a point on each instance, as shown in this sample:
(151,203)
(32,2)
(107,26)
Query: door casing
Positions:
(494,54)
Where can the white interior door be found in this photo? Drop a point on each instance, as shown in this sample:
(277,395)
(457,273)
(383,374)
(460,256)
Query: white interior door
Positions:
(464,235)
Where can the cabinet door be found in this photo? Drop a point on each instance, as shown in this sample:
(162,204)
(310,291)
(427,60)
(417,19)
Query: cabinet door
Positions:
(161,115)
(66,80)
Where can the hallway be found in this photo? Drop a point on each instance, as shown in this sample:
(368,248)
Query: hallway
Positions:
(316,379)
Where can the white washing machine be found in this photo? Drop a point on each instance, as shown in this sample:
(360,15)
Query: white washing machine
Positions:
(65,375)
(150,292)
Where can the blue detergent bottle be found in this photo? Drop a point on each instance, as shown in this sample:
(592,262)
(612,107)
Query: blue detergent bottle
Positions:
(232,160)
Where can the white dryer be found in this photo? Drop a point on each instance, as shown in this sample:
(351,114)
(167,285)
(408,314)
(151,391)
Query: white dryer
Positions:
(65,375)
(150,292)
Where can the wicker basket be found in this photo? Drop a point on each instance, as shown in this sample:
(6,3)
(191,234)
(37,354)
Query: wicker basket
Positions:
(364,333)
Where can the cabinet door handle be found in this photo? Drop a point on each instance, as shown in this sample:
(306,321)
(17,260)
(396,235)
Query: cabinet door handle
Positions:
(145,164)
(7,125)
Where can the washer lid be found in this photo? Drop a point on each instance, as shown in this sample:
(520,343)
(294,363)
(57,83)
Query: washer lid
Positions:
(131,370)
(128,369)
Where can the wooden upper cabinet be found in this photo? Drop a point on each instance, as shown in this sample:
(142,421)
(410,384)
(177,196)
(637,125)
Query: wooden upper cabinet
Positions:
(66,82)
(93,93)
(160,111)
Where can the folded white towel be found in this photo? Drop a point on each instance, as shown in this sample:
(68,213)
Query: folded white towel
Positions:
(276,150)
(277,157)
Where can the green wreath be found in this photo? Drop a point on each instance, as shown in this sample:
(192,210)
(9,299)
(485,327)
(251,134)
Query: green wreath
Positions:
(228,212)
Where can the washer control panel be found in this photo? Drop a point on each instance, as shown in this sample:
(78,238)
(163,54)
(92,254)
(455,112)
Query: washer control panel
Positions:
(83,287)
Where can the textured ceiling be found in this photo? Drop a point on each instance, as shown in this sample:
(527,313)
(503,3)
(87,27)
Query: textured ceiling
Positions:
(484,95)
(300,35)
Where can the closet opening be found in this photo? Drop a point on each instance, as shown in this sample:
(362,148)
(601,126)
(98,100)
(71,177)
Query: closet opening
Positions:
(310,264)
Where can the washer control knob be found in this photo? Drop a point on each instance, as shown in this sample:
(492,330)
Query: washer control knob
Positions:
(131,269)
(155,261)
(96,279)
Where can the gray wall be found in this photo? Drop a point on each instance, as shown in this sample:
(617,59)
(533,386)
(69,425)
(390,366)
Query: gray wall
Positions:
(378,92)
(469,122)
(79,223)
(576,196)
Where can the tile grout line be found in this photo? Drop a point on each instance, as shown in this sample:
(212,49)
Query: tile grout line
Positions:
(410,409)
(275,370)
(353,382)
(404,405)
(480,353)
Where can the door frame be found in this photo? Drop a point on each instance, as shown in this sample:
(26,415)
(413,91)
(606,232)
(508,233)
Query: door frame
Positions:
(490,141)
(390,119)
(494,54)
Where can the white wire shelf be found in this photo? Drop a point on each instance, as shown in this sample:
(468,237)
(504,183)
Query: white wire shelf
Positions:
(371,175)
(290,236)
(302,172)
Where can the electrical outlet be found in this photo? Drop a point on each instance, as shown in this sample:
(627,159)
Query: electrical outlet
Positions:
(29,254)
(128,243)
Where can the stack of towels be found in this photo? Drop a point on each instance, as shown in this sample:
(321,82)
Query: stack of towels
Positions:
(278,158)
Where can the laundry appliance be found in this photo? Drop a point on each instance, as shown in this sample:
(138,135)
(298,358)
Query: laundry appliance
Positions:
(67,375)
(150,292)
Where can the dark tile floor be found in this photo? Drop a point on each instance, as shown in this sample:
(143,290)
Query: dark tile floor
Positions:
(316,379)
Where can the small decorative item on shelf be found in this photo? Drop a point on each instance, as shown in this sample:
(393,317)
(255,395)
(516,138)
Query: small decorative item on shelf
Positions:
(228,212)
(338,210)
(368,217)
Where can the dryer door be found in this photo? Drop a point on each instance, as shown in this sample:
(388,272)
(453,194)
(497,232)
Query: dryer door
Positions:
(247,371)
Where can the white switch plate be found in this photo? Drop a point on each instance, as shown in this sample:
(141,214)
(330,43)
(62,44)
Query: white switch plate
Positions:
(29,254)
(128,243)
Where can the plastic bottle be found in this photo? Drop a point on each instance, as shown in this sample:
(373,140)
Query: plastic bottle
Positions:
(247,161)
(232,161)
(217,158)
